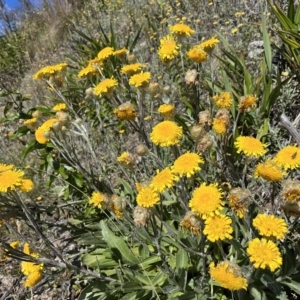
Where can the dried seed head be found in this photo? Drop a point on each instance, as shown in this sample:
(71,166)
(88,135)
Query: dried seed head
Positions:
(291,190)
(118,205)
(141,215)
(205,117)
(191,223)
(89,93)
(291,208)
(63,117)
(197,132)
(126,111)
(205,144)
(239,200)
(191,76)
(57,126)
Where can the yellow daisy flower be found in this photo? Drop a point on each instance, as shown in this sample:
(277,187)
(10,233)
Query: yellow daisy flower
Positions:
(264,253)
(191,223)
(269,171)
(10,178)
(206,200)
(33,278)
(209,45)
(26,185)
(140,80)
(47,72)
(97,199)
(220,126)
(126,111)
(166,133)
(247,102)
(44,128)
(147,197)
(89,70)
(218,227)
(270,226)
(288,158)
(239,201)
(163,179)
(187,164)
(121,52)
(105,53)
(30,121)
(228,275)
(250,146)
(105,87)
(223,100)
(132,68)
(59,107)
(182,30)
(291,190)
(197,54)
(168,49)
(167,111)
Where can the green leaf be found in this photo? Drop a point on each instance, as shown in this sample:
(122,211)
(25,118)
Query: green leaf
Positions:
(95,261)
(31,146)
(117,244)
(182,260)
(93,291)
(267,44)
(293,285)
(257,294)
(130,296)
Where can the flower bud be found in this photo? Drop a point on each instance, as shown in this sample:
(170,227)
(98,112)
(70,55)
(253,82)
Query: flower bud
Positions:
(197,132)
(167,90)
(131,58)
(154,89)
(141,150)
(36,114)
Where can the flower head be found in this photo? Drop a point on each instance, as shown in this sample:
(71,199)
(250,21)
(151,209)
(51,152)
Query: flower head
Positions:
(140,80)
(97,199)
(44,128)
(191,223)
(209,45)
(105,87)
(228,275)
(166,133)
(127,159)
(132,68)
(59,107)
(182,30)
(33,278)
(47,72)
(218,227)
(197,54)
(187,164)
(206,200)
(126,111)
(163,180)
(10,178)
(31,123)
(250,146)
(270,226)
(269,171)
(223,100)
(147,197)
(264,253)
(168,49)
(105,53)
(247,102)
(220,126)
(26,185)
(239,200)
(141,215)
(288,158)
(121,52)
(167,111)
